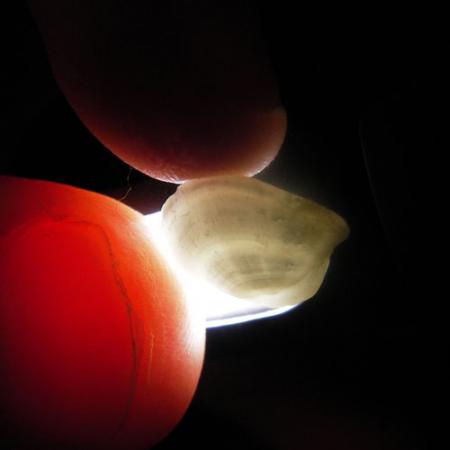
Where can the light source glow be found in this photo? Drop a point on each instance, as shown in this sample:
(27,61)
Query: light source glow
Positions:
(221,309)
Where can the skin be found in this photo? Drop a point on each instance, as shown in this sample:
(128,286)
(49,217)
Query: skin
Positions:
(98,348)
(177,89)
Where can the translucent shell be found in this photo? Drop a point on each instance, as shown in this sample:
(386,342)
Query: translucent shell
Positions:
(251,239)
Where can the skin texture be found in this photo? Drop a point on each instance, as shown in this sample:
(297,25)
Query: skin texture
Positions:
(177,89)
(98,348)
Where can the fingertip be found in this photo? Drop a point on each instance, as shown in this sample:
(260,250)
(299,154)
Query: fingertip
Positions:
(178,93)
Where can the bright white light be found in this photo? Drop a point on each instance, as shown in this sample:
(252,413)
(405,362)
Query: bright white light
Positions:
(221,309)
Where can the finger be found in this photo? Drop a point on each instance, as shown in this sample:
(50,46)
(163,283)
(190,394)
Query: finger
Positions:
(177,89)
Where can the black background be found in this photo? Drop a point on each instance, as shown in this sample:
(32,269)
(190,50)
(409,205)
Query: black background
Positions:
(360,365)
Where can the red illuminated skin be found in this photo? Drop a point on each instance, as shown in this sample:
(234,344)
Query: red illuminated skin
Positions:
(98,349)
(177,89)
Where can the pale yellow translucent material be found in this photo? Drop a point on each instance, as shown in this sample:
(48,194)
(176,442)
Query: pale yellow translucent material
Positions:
(251,239)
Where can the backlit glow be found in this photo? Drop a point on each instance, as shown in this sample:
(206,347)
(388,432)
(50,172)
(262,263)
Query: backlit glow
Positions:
(221,309)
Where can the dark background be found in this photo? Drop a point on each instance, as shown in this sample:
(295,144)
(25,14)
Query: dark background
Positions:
(360,365)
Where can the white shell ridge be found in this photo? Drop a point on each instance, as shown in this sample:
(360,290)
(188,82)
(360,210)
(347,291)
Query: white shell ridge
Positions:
(251,239)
